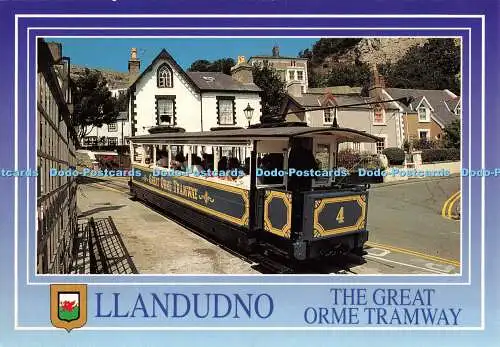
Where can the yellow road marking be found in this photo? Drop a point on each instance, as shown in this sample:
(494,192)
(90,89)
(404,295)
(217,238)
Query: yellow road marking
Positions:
(446,210)
(450,206)
(415,253)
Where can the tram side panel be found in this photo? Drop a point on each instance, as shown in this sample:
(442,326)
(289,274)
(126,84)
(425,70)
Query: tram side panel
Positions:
(213,207)
(334,223)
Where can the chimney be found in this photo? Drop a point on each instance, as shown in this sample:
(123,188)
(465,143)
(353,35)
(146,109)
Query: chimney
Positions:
(377,83)
(276,51)
(294,89)
(134,65)
(242,71)
(56,50)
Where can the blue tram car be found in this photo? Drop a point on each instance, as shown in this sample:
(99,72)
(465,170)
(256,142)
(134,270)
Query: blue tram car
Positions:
(276,186)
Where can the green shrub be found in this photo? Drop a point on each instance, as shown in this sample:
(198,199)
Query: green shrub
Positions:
(395,155)
(441,154)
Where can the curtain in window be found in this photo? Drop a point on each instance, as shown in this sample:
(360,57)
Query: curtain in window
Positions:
(226,112)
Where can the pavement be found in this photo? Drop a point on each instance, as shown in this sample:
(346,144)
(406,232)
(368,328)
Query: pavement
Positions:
(408,232)
(156,244)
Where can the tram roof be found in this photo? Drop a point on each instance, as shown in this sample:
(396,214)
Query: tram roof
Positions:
(242,136)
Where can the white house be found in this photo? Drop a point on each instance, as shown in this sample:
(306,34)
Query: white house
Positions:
(164,94)
(112,134)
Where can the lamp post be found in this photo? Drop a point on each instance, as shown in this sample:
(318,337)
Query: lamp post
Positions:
(248,113)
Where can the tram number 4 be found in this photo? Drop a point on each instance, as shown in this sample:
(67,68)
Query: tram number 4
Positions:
(340,215)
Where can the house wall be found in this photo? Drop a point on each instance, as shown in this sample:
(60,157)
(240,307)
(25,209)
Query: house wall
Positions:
(362,119)
(104,132)
(209,106)
(187,102)
(285,65)
(412,125)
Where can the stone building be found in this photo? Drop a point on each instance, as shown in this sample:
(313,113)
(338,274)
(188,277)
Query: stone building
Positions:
(290,69)
(56,142)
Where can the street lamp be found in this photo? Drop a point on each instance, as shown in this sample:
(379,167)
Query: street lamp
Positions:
(248,113)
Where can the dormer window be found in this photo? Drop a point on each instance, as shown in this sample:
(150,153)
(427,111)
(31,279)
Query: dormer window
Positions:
(164,77)
(457,110)
(423,114)
(378,115)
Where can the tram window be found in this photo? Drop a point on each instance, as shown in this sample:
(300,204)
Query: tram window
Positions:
(322,157)
(270,165)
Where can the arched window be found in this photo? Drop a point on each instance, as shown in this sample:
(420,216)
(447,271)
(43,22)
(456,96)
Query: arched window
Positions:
(164,77)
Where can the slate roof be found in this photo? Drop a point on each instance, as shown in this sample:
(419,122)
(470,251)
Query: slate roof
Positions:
(437,98)
(214,81)
(318,100)
(208,81)
(122,116)
(335,90)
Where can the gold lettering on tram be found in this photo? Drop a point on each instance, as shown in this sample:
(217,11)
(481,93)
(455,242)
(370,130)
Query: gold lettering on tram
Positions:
(178,188)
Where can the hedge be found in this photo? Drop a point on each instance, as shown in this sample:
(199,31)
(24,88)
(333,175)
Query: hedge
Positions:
(441,154)
(395,155)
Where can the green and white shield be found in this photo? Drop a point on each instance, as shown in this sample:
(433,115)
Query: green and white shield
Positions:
(69,306)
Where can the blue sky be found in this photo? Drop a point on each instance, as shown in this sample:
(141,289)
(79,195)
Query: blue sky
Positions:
(113,54)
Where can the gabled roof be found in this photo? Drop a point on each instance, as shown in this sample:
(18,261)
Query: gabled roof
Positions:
(164,55)
(440,100)
(308,100)
(202,81)
(215,81)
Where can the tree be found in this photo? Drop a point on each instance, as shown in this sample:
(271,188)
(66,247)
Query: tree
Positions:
(349,75)
(223,65)
(94,105)
(273,95)
(451,138)
(121,102)
(435,65)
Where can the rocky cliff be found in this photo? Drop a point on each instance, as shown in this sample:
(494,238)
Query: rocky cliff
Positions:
(116,80)
(372,51)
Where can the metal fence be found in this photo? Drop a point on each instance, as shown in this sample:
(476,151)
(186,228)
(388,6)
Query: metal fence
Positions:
(56,196)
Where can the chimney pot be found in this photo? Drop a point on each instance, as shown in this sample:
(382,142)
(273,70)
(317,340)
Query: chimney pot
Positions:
(242,71)
(276,51)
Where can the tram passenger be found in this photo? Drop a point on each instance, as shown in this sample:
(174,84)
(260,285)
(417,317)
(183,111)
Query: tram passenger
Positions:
(178,163)
(163,161)
(244,181)
(300,159)
(233,165)
(196,164)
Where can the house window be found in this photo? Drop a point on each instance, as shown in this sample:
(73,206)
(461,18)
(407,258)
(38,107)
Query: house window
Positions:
(423,114)
(328,116)
(380,146)
(90,141)
(378,115)
(226,112)
(291,75)
(282,75)
(113,141)
(165,111)
(165,77)
(457,109)
(424,134)
(300,75)
(112,127)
